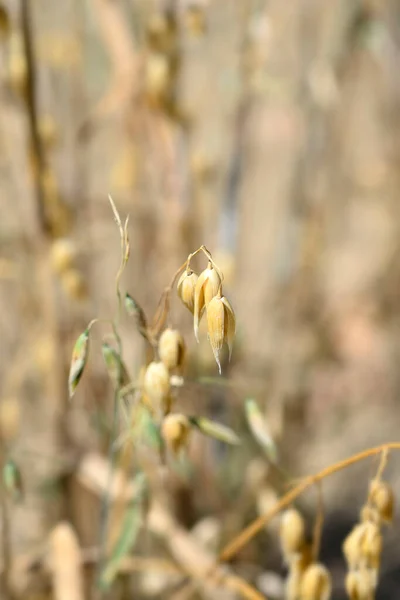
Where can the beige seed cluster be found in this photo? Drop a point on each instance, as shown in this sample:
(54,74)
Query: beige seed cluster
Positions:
(200,294)
(203,293)
(306,580)
(363,546)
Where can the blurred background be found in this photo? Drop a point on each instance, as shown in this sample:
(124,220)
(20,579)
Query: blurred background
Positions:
(268,131)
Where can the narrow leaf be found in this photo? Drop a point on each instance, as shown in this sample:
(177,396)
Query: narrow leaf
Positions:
(78,362)
(130,529)
(215,430)
(259,428)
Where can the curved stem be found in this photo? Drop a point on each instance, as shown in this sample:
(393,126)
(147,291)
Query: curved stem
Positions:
(256,526)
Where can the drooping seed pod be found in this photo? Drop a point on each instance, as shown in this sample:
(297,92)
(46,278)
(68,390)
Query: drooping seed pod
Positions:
(221,325)
(369,513)
(115,366)
(382,497)
(78,362)
(175,430)
(186,288)
(156,382)
(352,546)
(371,545)
(291,533)
(316,583)
(215,430)
(134,309)
(171,348)
(298,563)
(207,286)
(360,585)
(62,255)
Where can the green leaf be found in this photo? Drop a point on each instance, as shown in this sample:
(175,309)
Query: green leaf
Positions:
(12,480)
(78,362)
(115,366)
(215,430)
(259,428)
(130,529)
(134,309)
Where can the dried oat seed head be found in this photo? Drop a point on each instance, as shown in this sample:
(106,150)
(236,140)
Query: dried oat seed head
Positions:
(360,585)
(221,325)
(171,348)
(382,497)
(371,545)
(352,546)
(186,288)
(156,382)
(316,583)
(207,286)
(62,255)
(175,431)
(369,513)
(292,533)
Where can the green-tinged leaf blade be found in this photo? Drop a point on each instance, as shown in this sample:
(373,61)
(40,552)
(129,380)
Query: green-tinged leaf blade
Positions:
(130,529)
(78,361)
(134,309)
(12,480)
(215,430)
(116,369)
(259,428)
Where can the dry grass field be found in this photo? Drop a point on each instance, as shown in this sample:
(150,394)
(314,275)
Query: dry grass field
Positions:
(265,134)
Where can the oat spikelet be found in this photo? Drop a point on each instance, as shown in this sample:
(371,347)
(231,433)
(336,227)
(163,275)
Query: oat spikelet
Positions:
(207,287)
(186,288)
(221,325)
(171,348)
(382,497)
(156,382)
(292,533)
(175,430)
(316,583)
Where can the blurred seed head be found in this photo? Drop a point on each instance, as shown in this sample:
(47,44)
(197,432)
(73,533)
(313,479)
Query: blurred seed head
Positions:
(371,545)
(369,513)
(175,431)
(171,348)
(186,288)
(382,497)
(316,583)
(360,585)
(62,255)
(221,323)
(352,546)
(10,418)
(207,287)
(156,382)
(74,284)
(292,533)
(363,546)
(157,78)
